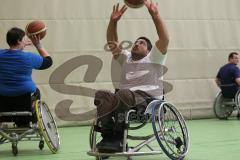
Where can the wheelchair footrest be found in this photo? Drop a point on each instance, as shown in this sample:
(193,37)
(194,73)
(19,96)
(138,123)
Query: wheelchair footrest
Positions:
(126,154)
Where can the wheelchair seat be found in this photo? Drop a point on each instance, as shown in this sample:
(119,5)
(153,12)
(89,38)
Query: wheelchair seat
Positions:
(164,128)
(229,91)
(27,120)
(17,109)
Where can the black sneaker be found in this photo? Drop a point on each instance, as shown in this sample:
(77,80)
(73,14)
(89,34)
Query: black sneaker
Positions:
(109,146)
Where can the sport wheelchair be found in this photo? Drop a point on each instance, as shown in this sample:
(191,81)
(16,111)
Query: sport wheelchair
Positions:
(224,106)
(166,130)
(34,123)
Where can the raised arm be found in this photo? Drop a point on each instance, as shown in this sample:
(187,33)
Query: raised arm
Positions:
(163,37)
(112,36)
(47,60)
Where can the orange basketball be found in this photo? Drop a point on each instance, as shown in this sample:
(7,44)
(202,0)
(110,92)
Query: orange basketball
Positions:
(36,28)
(134,3)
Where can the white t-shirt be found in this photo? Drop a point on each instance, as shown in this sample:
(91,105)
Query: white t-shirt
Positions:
(145,74)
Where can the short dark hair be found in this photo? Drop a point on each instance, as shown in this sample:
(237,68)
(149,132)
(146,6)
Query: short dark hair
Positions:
(14,35)
(231,55)
(149,44)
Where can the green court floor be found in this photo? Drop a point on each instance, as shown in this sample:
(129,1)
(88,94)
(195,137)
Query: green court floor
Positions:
(211,139)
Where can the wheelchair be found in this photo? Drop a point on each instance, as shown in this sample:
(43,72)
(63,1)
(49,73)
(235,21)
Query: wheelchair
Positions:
(167,133)
(34,123)
(223,106)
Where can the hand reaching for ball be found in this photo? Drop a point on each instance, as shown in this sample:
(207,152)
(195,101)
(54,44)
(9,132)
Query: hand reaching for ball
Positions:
(152,7)
(32,40)
(117,13)
(35,39)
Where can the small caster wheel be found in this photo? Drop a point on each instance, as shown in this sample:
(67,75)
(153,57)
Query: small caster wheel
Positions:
(41,144)
(14,149)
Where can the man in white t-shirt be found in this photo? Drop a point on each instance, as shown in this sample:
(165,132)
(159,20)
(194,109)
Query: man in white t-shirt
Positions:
(140,78)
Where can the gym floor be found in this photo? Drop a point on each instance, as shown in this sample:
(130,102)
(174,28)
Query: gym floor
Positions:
(210,139)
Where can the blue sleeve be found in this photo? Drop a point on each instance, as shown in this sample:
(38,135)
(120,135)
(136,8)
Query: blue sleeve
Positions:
(236,72)
(36,60)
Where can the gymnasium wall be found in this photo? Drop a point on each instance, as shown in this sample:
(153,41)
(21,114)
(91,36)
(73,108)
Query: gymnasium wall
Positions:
(202,33)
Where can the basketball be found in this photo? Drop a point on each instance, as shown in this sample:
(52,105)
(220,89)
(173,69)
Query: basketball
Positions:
(134,3)
(36,28)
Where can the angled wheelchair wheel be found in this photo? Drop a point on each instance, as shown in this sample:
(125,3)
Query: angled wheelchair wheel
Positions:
(237,101)
(47,126)
(221,109)
(170,130)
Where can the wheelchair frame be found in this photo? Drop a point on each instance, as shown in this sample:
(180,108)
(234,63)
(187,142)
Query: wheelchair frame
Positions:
(223,107)
(173,140)
(39,131)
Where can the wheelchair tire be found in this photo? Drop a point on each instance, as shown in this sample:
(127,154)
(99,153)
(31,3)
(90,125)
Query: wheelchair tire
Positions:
(170,130)
(47,126)
(221,111)
(237,101)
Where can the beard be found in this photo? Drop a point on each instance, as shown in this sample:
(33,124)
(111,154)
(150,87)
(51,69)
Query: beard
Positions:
(137,55)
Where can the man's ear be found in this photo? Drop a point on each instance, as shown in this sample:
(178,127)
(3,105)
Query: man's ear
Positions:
(18,41)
